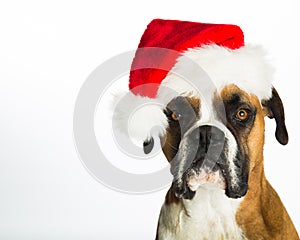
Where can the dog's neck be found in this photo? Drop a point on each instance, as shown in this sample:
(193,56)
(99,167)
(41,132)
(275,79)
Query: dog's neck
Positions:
(213,215)
(210,214)
(208,196)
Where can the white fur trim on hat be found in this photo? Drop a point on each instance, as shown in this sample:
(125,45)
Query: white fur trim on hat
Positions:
(246,67)
(139,117)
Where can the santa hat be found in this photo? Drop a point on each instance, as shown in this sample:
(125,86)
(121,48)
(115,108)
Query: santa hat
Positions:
(160,60)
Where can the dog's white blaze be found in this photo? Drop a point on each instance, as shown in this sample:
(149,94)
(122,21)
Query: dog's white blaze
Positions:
(205,113)
(209,215)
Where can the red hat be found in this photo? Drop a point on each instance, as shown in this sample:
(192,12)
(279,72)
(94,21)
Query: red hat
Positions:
(218,49)
(178,36)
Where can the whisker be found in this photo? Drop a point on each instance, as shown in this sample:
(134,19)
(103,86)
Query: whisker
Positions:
(173,147)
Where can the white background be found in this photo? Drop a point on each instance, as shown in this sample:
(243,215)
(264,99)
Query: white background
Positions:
(48,49)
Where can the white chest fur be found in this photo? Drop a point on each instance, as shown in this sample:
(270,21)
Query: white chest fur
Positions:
(209,215)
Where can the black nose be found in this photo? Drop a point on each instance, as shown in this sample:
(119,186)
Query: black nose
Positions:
(203,147)
(211,143)
(210,134)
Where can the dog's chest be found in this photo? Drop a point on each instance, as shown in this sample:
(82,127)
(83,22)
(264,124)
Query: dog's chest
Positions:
(210,215)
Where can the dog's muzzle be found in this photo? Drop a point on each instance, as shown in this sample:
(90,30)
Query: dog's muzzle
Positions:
(206,157)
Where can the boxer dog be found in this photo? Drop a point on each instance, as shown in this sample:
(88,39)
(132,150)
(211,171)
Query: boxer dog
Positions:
(219,189)
(208,94)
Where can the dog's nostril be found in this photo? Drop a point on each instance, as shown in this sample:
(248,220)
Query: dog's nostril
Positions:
(217,134)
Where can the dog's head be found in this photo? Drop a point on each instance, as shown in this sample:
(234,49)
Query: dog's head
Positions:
(205,94)
(218,148)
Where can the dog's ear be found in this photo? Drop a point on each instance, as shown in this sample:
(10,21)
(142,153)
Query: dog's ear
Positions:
(148,145)
(274,109)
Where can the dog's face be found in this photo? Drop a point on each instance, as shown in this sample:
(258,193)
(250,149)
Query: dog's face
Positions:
(218,144)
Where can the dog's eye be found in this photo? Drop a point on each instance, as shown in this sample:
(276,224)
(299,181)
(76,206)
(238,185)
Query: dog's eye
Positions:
(242,115)
(175,116)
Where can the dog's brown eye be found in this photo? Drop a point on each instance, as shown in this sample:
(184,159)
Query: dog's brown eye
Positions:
(175,116)
(242,115)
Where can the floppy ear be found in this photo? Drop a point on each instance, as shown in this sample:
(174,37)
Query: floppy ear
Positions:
(148,145)
(274,109)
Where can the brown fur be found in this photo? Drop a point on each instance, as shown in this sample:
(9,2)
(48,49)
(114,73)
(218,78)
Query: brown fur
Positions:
(261,215)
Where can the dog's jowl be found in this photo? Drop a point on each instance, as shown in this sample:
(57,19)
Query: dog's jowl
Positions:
(211,95)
